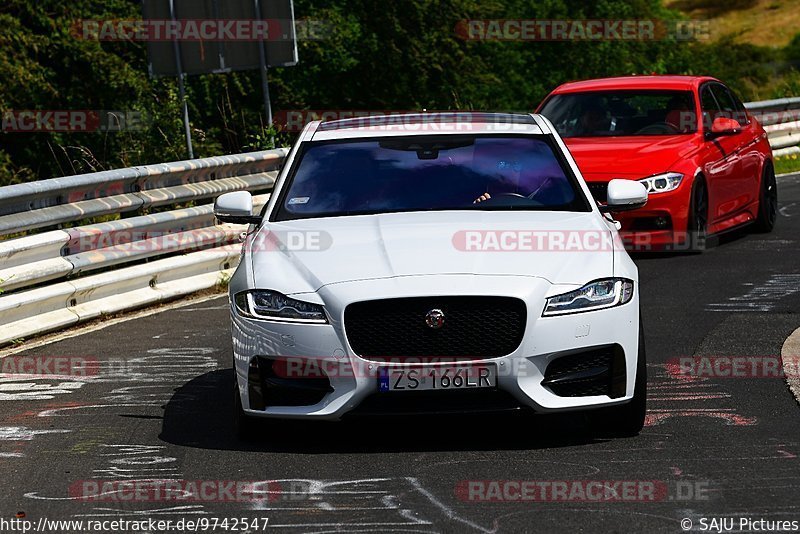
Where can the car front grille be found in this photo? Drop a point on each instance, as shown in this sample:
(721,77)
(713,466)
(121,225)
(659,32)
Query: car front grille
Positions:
(473,328)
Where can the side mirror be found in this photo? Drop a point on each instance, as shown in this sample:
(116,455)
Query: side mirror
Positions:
(236,208)
(625,195)
(724,126)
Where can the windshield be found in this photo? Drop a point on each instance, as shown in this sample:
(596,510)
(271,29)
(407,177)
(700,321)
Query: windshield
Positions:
(427,173)
(622,113)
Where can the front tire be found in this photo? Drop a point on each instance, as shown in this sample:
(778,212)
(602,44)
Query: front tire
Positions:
(697,233)
(628,419)
(768,201)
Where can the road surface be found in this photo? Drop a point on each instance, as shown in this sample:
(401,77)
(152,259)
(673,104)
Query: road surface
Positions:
(159,409)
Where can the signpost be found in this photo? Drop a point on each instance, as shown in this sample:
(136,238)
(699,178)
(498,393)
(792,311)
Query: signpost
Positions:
(181,56)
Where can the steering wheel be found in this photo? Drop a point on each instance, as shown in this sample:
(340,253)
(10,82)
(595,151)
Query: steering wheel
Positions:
(659,128)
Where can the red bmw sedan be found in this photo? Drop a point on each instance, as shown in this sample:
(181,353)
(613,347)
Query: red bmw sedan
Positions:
(705,161)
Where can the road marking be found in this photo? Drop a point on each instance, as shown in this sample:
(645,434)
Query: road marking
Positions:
(324,498)
(449,512)
(671,386)
(12,389)
(21,433)
(17,434)
(762,297)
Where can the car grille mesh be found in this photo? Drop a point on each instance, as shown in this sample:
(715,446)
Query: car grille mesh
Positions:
(474,328)
(582,375)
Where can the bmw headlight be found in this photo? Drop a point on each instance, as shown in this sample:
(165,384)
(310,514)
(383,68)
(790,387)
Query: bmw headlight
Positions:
(594,296)
(275,306)
(662,183)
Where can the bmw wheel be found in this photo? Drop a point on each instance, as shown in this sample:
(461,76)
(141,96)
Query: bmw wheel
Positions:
(698,216)
(768,201)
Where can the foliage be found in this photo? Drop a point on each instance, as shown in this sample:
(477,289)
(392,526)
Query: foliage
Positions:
(403,55)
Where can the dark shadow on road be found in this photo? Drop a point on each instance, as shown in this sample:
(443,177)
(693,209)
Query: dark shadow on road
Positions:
(712,242)
(200,415)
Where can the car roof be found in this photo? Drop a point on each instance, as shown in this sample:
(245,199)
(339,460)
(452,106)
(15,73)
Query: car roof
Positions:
(433,123)
(668,82)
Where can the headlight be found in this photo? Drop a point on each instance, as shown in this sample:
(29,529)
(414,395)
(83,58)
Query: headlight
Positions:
(277,307)
(662,183)
(594,296)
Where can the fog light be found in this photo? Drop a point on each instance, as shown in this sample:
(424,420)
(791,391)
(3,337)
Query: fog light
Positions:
(661,223)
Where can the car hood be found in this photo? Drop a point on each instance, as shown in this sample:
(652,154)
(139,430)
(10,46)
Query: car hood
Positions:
(304,256)
(629,157)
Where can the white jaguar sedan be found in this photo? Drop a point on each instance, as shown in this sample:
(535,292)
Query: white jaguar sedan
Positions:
(435,263)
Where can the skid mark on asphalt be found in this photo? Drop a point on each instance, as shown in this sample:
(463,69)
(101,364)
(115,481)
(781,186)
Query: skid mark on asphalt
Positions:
(762,297)
(672,394)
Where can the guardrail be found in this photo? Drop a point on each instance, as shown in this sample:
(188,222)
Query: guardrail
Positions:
(63,276)
(781,120)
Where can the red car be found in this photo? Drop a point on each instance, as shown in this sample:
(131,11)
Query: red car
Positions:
(706,162)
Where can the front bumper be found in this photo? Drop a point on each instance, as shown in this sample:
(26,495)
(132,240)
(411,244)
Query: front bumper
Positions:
(352,382)
(661,224)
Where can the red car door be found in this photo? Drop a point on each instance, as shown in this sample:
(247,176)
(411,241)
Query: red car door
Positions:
(750,178)
(723,166)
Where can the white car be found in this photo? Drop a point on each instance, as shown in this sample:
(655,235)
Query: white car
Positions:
(451,263)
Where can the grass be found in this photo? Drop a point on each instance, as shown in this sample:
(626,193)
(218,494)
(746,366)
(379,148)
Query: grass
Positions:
(786,164)
(770,23)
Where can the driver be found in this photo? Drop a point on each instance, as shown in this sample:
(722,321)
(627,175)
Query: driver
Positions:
(509,172)
(593,117)
(680,115)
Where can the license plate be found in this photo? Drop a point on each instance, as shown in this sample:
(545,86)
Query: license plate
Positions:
(437,378)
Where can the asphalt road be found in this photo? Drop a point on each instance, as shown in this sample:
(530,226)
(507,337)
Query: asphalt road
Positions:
(713,447)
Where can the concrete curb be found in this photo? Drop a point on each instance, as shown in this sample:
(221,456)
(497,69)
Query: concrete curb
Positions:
(790,354)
